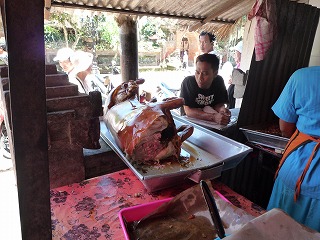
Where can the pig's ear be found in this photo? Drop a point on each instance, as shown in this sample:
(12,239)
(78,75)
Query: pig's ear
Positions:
(140,81)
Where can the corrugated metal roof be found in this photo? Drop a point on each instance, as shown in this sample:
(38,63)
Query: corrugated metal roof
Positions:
(217,16)
(195,15)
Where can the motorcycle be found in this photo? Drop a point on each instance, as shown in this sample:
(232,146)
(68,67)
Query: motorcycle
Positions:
(166,90)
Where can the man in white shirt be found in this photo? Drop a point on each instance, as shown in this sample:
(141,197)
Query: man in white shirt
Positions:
(206,42)
(77,64)
(63,57)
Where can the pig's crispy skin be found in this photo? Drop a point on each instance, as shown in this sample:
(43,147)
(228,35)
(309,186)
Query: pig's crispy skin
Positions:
(144,132)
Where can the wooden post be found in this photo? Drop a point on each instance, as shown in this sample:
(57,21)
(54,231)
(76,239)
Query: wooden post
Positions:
(129,48)
(25,41)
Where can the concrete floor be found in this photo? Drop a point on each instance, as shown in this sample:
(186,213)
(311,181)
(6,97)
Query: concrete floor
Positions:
(172,79)
(9,206)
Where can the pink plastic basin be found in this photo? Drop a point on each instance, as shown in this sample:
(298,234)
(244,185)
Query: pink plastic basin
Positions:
(137,212)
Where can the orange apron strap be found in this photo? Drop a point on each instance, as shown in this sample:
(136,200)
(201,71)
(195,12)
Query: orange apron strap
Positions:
(300,180)
(296,140)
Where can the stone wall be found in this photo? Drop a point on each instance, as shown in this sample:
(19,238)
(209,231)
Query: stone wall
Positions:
(73,124)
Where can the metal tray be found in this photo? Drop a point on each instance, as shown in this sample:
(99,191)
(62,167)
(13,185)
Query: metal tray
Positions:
(264,139)
(212,154)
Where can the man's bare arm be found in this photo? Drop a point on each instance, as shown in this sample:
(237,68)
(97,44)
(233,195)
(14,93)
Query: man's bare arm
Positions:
(286,128)
(198,113)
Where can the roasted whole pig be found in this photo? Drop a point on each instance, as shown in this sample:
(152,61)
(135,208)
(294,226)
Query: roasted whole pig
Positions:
(146,133)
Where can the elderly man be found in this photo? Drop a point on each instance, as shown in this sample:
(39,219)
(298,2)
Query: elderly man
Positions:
(77,64)
(63,57)
(204,93)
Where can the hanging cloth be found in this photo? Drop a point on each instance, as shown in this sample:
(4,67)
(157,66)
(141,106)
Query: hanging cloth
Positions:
(265,13)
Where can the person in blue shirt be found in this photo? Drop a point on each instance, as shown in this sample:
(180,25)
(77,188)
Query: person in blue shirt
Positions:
(297,186)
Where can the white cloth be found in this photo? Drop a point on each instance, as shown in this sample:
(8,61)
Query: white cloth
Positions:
(248,44)
(274,224)
(226,72)
(213,52)
(81,62)
(185,58)
(73,79)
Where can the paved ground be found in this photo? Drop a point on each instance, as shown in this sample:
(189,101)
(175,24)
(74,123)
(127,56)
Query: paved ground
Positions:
(153,79)
(172,79)
(9,207)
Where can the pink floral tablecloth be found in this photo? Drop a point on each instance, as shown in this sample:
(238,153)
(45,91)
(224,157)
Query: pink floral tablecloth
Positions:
(89,210)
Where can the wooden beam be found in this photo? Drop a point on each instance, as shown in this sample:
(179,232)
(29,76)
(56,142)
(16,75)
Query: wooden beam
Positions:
(26,50)
(140,13)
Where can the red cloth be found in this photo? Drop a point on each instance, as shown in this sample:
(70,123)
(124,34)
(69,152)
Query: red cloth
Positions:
(265,13)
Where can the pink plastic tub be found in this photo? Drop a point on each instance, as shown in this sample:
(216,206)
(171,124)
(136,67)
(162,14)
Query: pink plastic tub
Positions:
(136,213)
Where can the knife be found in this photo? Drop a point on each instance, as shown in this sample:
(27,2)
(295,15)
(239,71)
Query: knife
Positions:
(214,212)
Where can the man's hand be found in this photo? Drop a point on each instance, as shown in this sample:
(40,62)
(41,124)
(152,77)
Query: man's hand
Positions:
(220,115)
(221,118)
(225,111)
(223,115)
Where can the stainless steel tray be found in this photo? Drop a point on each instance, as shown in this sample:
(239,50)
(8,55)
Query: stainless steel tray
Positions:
(264,139)
(212,154)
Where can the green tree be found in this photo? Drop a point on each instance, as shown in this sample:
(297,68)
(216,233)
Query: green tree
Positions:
(73,30)
(52,36)
(108,34)
(68,25)
(148,30)
(156,30)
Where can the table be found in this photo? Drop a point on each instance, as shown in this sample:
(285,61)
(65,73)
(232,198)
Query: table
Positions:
(89,209)
(214,126)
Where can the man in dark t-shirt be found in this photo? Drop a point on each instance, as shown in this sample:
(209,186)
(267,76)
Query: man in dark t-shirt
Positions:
(205,94)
